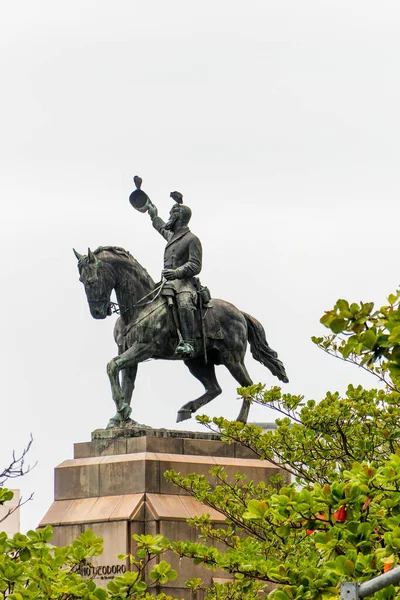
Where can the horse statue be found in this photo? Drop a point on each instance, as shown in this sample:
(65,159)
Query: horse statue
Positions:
(146,329)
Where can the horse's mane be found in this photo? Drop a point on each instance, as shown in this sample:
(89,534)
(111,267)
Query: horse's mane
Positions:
(125,256)
(118,251)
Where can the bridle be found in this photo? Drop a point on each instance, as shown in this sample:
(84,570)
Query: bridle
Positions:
(116,308)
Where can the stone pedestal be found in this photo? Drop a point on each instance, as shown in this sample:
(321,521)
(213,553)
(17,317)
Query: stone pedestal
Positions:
(114,485)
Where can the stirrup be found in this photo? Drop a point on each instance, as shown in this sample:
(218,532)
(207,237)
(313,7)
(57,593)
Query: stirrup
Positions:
(185,349)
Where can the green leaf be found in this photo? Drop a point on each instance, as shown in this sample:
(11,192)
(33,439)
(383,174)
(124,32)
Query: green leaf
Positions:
(338,325)
(348,567)
(394,337)
(5,495)
(140,586)
(283,531)
(327,318)
(369,339)
(342,305)
(171,575)
(255,510)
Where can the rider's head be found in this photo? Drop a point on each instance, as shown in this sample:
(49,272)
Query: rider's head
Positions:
(179,217)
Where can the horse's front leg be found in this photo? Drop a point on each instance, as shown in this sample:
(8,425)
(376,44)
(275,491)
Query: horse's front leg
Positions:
(128,377)
(128,361)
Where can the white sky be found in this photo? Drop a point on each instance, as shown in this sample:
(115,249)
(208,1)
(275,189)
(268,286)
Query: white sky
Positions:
(279,122)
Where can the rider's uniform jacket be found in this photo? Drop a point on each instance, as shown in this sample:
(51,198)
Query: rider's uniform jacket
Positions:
(183,253)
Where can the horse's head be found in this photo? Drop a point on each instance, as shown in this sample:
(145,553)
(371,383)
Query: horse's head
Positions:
(97,277)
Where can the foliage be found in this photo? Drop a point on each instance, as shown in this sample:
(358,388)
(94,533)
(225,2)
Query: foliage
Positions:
(32,569)
(366,337)
(334,514)
(331,515)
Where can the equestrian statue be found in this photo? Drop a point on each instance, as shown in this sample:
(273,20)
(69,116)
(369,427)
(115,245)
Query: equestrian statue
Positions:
(175,319)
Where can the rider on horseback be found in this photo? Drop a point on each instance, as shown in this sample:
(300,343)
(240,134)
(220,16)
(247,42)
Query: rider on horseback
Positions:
(182,262)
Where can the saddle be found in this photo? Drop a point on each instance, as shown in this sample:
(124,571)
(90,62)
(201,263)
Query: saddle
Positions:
(205,318)
(212,325)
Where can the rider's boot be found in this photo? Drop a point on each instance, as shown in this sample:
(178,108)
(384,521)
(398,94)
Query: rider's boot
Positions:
(185,348)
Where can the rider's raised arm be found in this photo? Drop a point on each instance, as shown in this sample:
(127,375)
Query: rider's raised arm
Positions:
(158,223)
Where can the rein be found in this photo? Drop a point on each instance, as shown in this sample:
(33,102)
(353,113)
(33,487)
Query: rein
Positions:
(157,289)
(143,317)
(116,308)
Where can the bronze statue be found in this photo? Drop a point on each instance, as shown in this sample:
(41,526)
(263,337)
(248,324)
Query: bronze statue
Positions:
(206,334)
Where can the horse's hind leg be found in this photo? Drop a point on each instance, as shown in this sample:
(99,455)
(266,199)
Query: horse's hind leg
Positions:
(239,372)
(206,375)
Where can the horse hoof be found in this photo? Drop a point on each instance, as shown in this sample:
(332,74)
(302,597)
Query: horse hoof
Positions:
(124,413)
(183,415)
(112,423)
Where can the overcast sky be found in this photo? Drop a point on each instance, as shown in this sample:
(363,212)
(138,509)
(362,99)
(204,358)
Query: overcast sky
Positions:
(279,122)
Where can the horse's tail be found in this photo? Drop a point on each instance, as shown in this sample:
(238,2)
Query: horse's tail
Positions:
(260,349)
